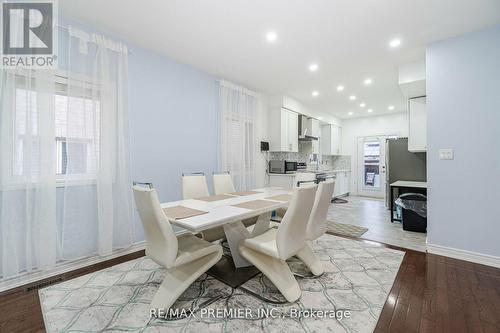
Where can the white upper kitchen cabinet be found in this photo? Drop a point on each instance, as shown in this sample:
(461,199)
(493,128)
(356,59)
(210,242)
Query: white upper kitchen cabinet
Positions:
(417,125)
(283,130)
(331,140)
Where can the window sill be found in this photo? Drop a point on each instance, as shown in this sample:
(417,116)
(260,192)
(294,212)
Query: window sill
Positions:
(18,185)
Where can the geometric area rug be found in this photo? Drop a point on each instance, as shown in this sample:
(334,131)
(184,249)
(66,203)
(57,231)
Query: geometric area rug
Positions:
(349,296)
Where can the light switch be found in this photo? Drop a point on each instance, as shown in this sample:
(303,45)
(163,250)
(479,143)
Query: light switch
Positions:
(446,154)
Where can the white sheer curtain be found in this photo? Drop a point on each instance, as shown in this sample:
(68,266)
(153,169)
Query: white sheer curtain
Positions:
(238,112)
(97,212)
(28,197)
(65,186)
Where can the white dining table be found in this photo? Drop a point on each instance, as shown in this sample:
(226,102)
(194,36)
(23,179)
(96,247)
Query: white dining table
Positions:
(224,213)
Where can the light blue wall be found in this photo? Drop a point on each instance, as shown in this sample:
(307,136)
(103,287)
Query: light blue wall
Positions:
(463,98)
(173,121)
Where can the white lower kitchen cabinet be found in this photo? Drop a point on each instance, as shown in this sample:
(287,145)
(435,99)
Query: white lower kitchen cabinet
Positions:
(282,180)
(342,182)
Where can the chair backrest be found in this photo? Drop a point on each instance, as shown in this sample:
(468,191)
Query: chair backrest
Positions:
(291,234)
(316,226)
(194,186)
(304,177)
(223,183)
(161,242)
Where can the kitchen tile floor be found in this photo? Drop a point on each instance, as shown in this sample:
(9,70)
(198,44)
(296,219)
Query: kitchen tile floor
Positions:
(372,214)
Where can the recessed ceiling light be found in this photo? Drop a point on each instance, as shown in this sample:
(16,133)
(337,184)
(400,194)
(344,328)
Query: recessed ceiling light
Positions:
(315,93)
(271,36)
(368,81)
(350,113)
(352,97)
(340,88)
(362,105)
(313,67)
(370,110)
(395,43)
(391,107)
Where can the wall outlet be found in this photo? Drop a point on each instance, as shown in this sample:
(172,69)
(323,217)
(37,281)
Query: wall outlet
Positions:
(446,154)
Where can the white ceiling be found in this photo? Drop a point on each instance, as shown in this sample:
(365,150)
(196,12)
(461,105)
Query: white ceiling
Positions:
(347,38)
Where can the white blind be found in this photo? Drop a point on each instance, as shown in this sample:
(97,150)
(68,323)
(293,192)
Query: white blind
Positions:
(238,112)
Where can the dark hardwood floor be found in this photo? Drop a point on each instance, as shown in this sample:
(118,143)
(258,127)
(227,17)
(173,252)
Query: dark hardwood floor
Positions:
(431,294)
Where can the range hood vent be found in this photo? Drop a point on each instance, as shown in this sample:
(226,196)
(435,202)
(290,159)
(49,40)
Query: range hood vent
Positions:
(305,129)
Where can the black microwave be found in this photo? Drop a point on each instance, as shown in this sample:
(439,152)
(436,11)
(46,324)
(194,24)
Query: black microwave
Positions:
(278,166)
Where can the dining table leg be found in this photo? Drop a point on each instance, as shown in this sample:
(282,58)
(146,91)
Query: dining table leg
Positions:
(262,225)
(236,232)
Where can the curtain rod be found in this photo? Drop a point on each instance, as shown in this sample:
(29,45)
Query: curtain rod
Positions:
(130,51)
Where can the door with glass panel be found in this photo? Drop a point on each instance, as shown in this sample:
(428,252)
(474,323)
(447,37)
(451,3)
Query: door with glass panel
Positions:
(371,166)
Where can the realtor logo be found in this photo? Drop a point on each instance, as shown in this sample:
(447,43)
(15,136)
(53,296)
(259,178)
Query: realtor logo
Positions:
(28,34)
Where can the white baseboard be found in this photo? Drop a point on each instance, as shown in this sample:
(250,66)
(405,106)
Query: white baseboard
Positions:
(475,257)
(65,267)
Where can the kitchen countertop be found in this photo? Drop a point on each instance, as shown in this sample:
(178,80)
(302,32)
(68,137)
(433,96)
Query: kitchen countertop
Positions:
(312,171)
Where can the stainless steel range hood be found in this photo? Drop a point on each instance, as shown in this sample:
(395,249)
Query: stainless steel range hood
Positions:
(305,129)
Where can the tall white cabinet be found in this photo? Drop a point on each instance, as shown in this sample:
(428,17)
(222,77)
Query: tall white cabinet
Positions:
(284,130)
(331,140)
(417,124)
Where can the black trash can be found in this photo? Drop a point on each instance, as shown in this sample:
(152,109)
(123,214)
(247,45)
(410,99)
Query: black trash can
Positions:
(414,207)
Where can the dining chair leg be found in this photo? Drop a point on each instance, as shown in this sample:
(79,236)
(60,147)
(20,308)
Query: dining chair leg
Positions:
(178,279)
(275,270)
(307,256)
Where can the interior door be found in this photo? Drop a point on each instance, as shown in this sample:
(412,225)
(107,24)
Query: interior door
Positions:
(371,166)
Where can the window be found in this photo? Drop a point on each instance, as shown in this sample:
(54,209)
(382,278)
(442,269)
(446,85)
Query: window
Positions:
(240,138)
(76,130)
(371,158)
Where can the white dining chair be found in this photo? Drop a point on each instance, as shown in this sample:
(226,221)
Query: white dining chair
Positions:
(316,226)
(194,186)
(185,257)
(223,183)
(270,250)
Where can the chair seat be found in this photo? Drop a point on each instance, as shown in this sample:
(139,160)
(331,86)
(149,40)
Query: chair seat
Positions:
(264,243)
(191,248)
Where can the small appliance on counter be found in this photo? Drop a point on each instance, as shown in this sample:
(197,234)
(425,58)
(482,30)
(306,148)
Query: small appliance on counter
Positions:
(301,166)
(279,166)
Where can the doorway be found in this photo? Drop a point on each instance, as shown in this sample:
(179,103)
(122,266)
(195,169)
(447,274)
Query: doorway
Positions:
(371,166)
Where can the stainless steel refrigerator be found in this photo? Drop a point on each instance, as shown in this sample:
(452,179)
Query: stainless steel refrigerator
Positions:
(402,165)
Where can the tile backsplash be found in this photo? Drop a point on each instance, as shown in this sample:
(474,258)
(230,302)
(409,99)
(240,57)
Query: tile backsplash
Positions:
(339,162)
